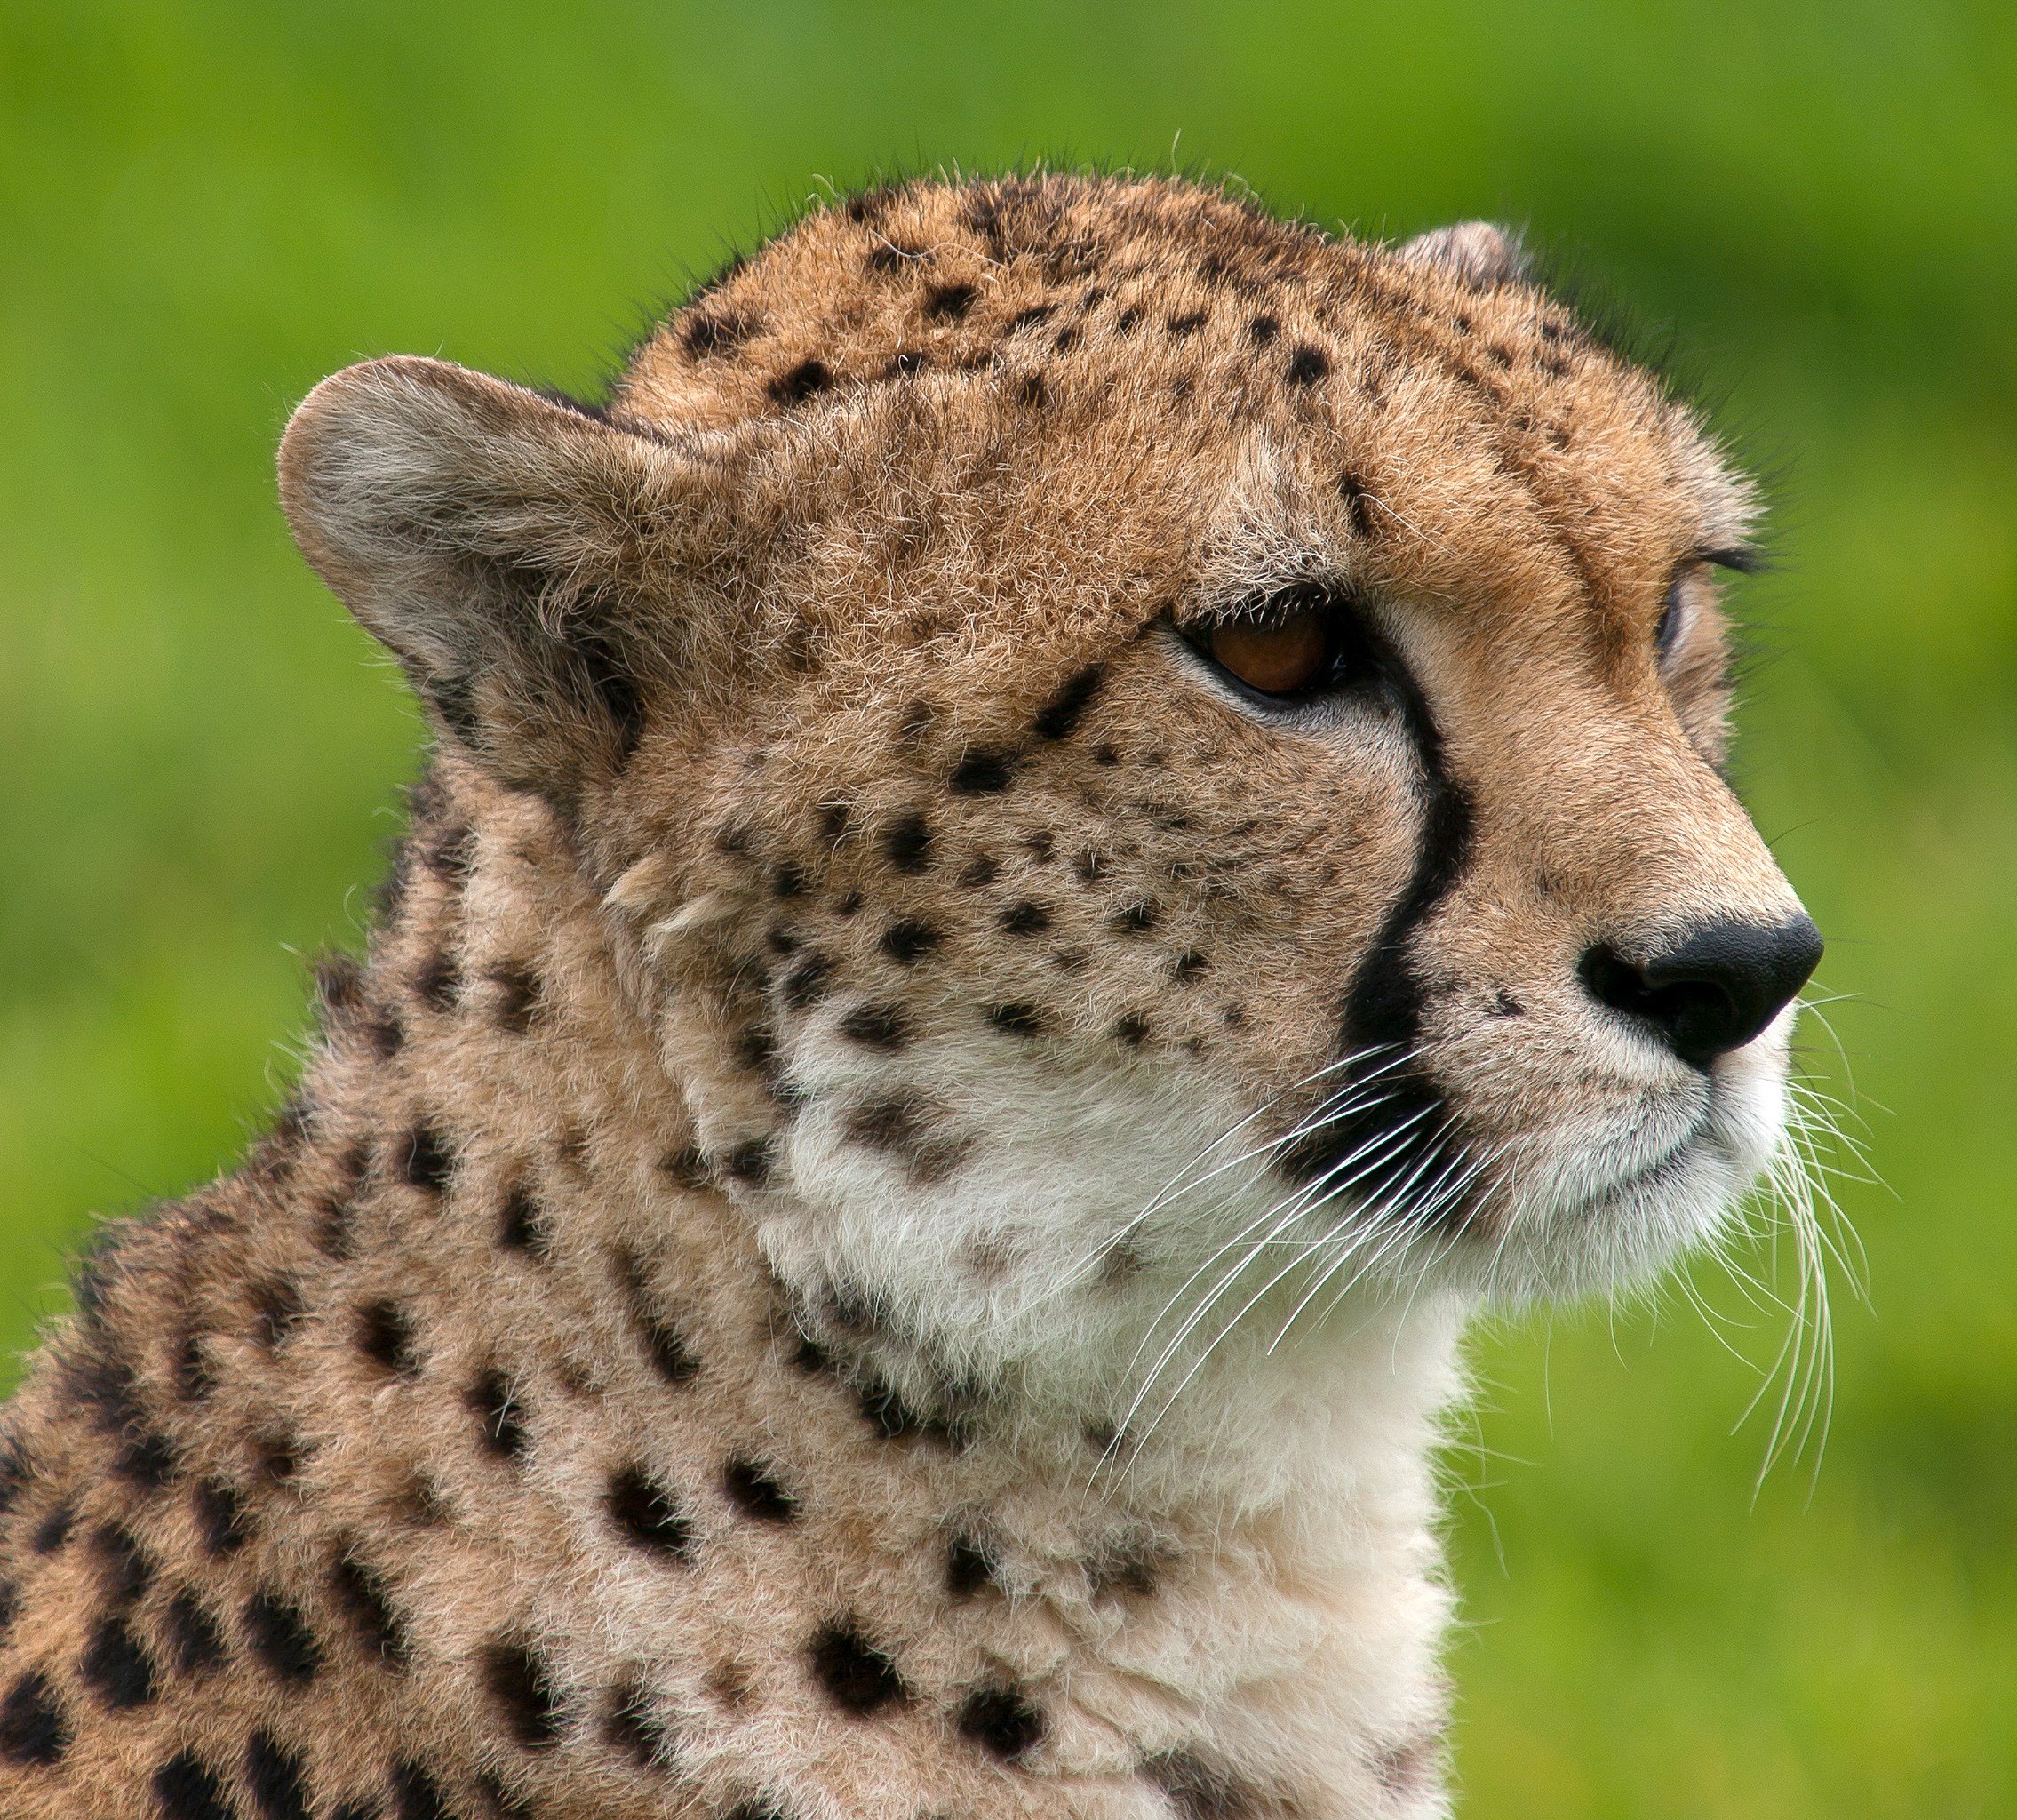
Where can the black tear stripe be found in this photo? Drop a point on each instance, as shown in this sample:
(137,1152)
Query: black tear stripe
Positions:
(1390,1113)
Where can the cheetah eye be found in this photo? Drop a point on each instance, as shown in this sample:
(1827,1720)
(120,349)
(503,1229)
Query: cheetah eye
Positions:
(1673,617)
(1301,643)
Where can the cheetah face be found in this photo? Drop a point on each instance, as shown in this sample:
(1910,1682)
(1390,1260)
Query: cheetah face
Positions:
(1138,758)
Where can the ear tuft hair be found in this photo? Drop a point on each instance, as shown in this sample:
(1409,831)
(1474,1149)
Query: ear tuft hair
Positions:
(525,559)
(1480,254)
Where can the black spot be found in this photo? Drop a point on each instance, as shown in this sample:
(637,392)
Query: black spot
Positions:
(1003,1721)
(1197,1790)
(147,1458)
(280,1455)
(1135,919)
(524,1695)
(715,332)
(425,1159)
(281,1638)
(787,879)
(10,1606)
(387,1036)
(1307,365)
(416,1795)
(336,1207)
(662,1342)
(276,1309)
(124,1571)
(806,983)
(751,1162)
(809,1356)
(910,940)
(950,300)
(877,1027)
(193,1380)
(969,1566)
(437,981)
(1032,390)
(646,1514)
(906,844)
(1130,1569)
(982,869)
(905,362)
(982,773)
(631,1727)
(1023,919)
(1104,753)
(54,1530)
(500,1426)
(801,382)
(1127,320)
(116,1667)
(1357,501)
(360,1594)
(17,1472)
(275,1779)
(33,1728)
(1262,330)
(1060,715)
(833,819)
(1065,340)
(518,996)
(1189,967)
(220,1517)
(1133,1029)
(104,1384)
(756,1048)
(1016,1020)
(186,1790)
(894,1420)
(755,1492)
(758,1807)
(522,1223)
(1188,324)
(687,1167)
(195,1639)
(859,1678)
(385,1338)
(339,985)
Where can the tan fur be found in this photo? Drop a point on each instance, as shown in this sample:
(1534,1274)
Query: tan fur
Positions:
(834,864)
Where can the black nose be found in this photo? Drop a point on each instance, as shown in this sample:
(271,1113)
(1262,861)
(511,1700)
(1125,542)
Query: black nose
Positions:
(1712,988)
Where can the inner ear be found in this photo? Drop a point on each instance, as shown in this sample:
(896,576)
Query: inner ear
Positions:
(1482,254)
(525,559)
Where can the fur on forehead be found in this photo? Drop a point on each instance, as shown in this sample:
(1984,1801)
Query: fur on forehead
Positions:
(997,419)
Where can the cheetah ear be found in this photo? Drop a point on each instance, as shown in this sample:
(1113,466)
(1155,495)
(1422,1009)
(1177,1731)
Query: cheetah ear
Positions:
(1482,254)
(523,559)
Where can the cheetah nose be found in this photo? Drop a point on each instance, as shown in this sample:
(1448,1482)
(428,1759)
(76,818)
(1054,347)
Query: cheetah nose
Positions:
(1712,989)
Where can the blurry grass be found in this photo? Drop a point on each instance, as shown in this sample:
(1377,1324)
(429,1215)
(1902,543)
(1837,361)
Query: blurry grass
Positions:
(205,208)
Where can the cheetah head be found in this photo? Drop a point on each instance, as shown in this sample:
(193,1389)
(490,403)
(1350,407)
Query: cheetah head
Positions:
(1129,750)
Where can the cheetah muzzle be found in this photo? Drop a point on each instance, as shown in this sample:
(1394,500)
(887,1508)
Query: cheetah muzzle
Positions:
(1076,822)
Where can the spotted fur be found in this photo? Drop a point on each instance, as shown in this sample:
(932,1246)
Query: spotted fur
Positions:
(884,1228)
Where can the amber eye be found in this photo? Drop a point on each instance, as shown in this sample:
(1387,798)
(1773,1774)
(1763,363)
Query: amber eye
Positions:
(1277,656)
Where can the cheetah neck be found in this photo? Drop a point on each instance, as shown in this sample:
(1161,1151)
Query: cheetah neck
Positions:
(485,1390)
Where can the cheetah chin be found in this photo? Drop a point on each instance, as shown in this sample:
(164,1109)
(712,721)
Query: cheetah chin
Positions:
(1075,823)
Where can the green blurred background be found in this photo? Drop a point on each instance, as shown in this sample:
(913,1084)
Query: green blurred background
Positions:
(204,207)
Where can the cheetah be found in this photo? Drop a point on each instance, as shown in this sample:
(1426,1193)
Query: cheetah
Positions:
(1077,822)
